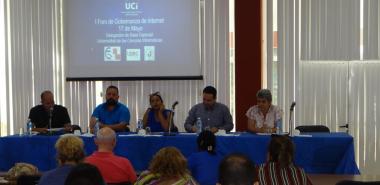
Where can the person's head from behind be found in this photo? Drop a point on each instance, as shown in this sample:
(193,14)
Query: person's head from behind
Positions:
(281,150)
(209,96)
(84,174)
(155,100)
(206,141)
(264,99)
(105,139)
(112,95)
(69,149)
(169,162)
(47,100)
(237,169)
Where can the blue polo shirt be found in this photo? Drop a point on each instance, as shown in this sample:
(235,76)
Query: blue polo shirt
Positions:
(119,114)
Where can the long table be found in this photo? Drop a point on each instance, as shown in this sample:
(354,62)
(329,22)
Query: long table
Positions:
(317,153)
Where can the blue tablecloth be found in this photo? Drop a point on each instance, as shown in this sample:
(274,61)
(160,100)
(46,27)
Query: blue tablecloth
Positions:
(331,153)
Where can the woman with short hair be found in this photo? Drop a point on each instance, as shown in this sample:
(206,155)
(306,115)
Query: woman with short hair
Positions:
(69,153)
(263,116)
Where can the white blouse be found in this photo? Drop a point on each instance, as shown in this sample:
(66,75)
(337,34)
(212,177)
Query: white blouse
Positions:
(274,114)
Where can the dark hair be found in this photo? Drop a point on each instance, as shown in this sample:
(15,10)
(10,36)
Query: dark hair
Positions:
(155,94)
(113,87)
(45,92)
(206,141)
(264,94)
(84,174)
(281,150)
(237,169)
(210,90)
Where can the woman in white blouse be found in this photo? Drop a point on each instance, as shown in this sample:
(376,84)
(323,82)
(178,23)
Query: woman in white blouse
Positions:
(263,116)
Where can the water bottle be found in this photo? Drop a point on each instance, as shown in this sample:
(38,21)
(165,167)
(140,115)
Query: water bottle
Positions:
(140,125)
(96,127)
(29,127)
(198,125)
(278,124)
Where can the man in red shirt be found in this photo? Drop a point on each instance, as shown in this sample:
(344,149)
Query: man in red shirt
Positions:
(114,169)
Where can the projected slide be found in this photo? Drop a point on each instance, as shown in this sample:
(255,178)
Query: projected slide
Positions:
(132,38)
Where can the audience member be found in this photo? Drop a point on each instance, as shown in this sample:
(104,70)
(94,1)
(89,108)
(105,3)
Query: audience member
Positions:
(214,115)
(157,117)
(114,169)
(204,164)
(41,115)
(84,174)
(263,116)
(237,169)
(112,113)
(279,169)
(69,153)
(168,166)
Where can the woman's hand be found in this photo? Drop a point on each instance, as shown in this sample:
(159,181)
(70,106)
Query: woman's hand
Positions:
(162,107)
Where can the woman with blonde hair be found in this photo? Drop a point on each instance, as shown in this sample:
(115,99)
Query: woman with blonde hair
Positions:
(168,166)
(69,153)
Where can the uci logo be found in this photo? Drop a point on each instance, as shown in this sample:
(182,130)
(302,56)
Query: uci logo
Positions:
(131,6)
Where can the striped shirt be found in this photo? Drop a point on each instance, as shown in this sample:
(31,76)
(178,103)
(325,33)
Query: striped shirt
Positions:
(272,174)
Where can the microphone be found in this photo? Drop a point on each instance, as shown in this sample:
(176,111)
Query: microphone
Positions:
(174,104)
(292,106)
(290,118)
(51,112)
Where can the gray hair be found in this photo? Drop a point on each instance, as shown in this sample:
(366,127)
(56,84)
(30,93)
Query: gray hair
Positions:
(264,94)
(106,134)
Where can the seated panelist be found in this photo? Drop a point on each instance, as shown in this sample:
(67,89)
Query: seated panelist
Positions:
(48,111)
(214,115)
(112,113)
(263,116)
(157,117)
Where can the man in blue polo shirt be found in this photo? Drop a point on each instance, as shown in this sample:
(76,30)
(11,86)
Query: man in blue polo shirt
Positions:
(112,113)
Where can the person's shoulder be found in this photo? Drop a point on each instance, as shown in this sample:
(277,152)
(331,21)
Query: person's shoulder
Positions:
(254,109)
(198,105)
(122,106)
(37,108)
(60,107)
(100,106)
(222,106)
(121,158)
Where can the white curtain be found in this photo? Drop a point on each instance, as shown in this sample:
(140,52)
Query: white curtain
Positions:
(34,61)
(324,66)
(364,116)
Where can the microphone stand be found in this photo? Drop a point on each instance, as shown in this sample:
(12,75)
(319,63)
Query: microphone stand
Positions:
(171,120)
(50,118)
(290,119)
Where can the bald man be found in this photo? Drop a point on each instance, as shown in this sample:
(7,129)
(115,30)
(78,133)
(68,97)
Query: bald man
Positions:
(40,114)
(114,169)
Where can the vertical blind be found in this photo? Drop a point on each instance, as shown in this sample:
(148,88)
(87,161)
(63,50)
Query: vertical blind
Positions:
(328,61)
